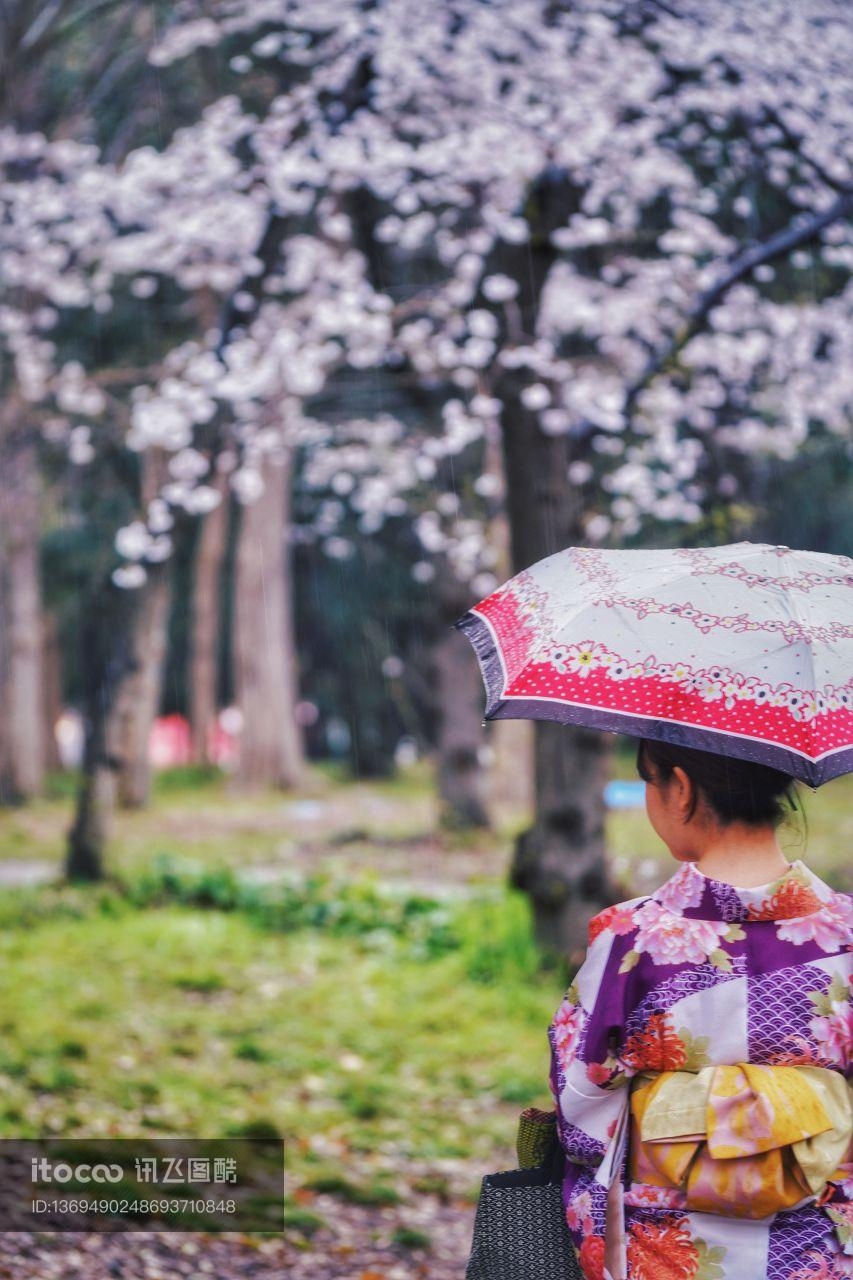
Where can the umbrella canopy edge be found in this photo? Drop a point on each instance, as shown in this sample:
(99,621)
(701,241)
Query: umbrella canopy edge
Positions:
(481,637)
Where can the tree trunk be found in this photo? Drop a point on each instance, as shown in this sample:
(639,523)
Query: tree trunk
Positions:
(560,860)
(7,794)
(511,785)
(108,617)
(138,700)
(52,700)
(271,749)
(87,839)
(204,635)
(22,526)
(459,694)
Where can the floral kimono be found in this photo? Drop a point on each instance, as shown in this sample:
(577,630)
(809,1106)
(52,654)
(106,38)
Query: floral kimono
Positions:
(701,974)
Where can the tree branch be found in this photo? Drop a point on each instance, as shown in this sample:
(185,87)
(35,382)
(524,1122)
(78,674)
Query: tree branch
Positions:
(776,247)
(795,143)
(269,245)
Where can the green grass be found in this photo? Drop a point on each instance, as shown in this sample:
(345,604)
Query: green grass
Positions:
(411,1238)
(305,1221)
(177,1020)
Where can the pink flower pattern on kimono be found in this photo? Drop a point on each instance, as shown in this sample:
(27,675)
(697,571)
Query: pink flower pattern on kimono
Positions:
(618,919)
(818,1268)
(672,939)
(821,1267)
(601,1073)
(567,1026)
(829,927)
(579,1213)
(644,1196)
(682,890)
(834,1034)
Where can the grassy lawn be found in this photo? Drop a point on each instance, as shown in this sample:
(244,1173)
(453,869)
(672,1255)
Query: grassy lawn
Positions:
(365,1054)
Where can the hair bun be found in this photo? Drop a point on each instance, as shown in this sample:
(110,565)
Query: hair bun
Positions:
(736,790)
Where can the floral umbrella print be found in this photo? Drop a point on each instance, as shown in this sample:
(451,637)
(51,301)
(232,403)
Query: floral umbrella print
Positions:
(745,650)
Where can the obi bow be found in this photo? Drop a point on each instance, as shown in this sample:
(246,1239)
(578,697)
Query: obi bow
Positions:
(743,1140)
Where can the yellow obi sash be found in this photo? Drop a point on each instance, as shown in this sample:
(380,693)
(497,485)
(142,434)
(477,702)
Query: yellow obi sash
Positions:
(744,1140)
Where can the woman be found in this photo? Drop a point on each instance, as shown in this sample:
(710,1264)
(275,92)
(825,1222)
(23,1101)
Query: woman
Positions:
(739,962)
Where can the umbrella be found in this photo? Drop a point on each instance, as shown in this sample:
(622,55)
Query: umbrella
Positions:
(744,650)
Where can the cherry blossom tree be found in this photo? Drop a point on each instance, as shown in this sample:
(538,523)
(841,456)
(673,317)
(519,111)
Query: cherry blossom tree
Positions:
(45,84)
(611,237)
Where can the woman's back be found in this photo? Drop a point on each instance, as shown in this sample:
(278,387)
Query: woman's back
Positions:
(699,975)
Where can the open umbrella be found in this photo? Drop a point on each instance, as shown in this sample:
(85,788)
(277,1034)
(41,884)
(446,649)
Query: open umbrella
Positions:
(745,650)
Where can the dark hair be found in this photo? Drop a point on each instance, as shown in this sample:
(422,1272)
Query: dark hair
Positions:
(736,790)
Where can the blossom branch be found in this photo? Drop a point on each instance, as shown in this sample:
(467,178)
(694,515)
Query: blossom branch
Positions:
(777,246)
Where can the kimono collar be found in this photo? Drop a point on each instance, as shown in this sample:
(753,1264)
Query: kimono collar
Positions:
(797,893)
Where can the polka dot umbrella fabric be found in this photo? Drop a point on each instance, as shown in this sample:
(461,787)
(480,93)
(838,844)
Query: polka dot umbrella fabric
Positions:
(745,650)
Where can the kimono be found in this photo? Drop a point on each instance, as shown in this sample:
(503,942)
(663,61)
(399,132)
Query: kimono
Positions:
(696,975)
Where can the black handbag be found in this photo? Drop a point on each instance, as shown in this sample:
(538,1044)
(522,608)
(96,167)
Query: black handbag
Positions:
(520,1230)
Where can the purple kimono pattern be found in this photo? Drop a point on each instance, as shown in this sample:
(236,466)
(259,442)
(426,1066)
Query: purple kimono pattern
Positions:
(698,974)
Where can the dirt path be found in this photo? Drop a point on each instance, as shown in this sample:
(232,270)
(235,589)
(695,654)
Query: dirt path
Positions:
(359,1245)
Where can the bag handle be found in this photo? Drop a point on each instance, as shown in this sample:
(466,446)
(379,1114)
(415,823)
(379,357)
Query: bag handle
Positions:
(538,1143)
